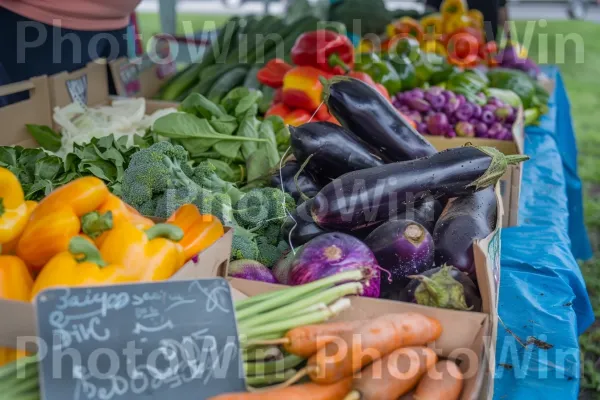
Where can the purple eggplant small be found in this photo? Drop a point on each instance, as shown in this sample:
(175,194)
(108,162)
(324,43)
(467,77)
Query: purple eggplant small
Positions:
(417,104)
(477,110)
(435,99)
(251,270)
(443,287)
(464,112)
(437,124)
(402,247)
(495,130)
(333,253)
(488,117)
(451,106)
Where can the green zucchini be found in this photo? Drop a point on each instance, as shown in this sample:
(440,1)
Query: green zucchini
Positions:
(251,81)
(204,86)
(245,53)
(226,82)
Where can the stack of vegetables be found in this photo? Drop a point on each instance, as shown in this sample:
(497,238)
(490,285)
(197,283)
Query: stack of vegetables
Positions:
(316,55)
(378,190)
(82,235)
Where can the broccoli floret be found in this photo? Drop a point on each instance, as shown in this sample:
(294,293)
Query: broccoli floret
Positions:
(206,177)
(243,247)
(283,246)
(156,175)
(268,254)
(271,233)
(217,204)
(262,207)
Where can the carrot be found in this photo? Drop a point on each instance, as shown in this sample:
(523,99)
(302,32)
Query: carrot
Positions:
(372,340)
(393,375)
(306,391)
(304,341)
(443,382)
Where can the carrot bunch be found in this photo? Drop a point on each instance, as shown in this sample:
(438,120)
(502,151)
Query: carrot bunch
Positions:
(384,358)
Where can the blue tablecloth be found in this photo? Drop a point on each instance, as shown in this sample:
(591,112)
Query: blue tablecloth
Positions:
(542,291)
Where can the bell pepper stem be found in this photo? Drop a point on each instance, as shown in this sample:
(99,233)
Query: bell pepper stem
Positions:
(94,224)
(167,231)
(79,245)
(335,61)
(2,209)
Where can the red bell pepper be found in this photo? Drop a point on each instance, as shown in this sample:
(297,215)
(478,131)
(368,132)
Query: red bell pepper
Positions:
(366,78)
(302,88)
(297,117)
(273,72)
(278,109)
(323,49)
(488,53)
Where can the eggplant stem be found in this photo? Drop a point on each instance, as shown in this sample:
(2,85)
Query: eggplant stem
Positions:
(320,300)
(302,167)
(497,168)
(288,295)
(310,319)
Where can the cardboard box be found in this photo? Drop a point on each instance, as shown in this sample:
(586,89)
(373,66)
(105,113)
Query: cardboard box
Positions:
(468,337)
(510,183)
(19,317)
(34,110)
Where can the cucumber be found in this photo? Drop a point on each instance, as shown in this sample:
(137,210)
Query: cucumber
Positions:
(227,82)
(222,43)
(181,82)
(204,86)
(245,53)
(267,99)
(251,81)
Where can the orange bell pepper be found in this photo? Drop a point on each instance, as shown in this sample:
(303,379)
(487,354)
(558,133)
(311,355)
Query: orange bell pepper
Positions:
(199,231)
(9,248)
(150,255)
(406,26)
(15,284)
(303,89)
(67,269)
(297,117)
(61,216)
(121,212)
(13,210)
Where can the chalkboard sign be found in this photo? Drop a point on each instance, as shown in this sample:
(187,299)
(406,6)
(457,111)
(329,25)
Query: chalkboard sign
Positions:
(164,340)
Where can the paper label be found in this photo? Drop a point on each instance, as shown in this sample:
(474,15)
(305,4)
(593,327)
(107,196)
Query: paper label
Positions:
(130,78)
(78,89)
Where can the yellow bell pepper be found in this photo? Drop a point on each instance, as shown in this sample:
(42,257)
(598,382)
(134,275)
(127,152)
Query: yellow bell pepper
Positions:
(121,212)
(450,8)
(15,284)
(476,18)
(13,210)
(199,231)
(61,216)
(302,88)
(9,248)
(433,46)
(456,22)
(68,269)
(433,25)
(150,255)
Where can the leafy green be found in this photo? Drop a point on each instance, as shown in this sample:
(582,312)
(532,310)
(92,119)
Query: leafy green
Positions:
(46,137)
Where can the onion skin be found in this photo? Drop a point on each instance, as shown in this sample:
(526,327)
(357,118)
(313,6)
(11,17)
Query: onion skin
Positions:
(402,247)
(332,253)
(251,270)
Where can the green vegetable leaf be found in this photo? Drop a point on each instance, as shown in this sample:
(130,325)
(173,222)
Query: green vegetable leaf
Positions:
(200,106)
(225,171)
(226,125)
(248,130)
(247,102)
(46,137)
(39,190)
(257,165)
(49,168)
(282,133)
(100,169)
(8,156)
(227,149)
(265,131)
(232,99)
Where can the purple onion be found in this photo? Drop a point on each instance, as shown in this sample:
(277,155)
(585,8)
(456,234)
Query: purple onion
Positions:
(417,93)
(251,270)
(461,99)
(464,112)
(490,107)
(404,109)
(332,253)
(451,133)
(464,129)
(404,248)
(488,117)
(502,113)
(396,103)
(451,106)
(473,121)
(495,130)
(448,94)
(422,128)
(453,120)
(418,104)
(437,101)
(477,110)
(481,130)
(437,124)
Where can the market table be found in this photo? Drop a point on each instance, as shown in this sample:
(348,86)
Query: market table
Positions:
(542,291)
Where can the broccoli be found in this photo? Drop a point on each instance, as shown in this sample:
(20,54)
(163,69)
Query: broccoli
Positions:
(260,207)
(243,246)
(268,255)
(155,182)
(206,177)
(217,204)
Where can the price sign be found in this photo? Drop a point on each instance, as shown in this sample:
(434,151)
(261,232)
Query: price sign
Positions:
(78,89)
(164,340)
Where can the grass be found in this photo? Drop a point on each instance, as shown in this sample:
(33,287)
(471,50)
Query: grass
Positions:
(575,48)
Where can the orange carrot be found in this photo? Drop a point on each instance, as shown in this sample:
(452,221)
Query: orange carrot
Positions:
(306,391)
(372,340)
(304,341)
(393,375)
(443,382)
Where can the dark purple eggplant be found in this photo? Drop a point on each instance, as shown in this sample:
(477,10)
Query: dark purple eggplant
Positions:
(443,287)
(306,183)
(335,151)
(362,198)
(464,220)
(403,248)
(370,116)
(425,212)
(300,227)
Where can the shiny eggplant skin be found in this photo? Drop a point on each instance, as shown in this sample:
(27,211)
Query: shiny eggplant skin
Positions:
(425,212)
(370,116)
(335,150)
(464,220)
(361,198)
(306,183)
(300,227)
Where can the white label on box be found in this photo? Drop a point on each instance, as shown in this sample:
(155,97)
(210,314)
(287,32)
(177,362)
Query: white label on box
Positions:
(78,89)
(130,78)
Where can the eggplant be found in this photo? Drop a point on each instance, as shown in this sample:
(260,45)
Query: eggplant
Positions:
(464,220)
(299,228)
(306,184)
(403,248)
(362,198)
(251,270)
(366,113)
(425,212)
(443,287)
(334,150)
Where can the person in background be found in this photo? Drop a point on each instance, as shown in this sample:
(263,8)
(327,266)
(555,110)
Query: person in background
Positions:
(41,37)
(494,12)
